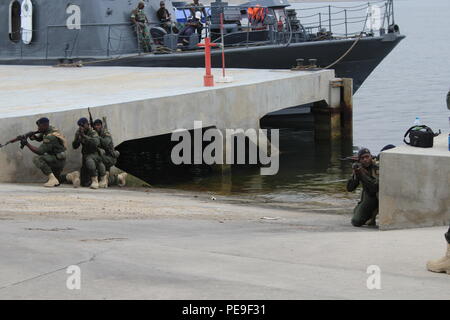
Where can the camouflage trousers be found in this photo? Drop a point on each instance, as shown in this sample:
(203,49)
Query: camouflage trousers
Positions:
(93,165)
(49,164)
(109,162)
(143,34)
(366,209)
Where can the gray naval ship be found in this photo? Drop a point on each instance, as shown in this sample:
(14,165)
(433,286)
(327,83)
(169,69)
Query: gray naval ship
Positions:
(101,32)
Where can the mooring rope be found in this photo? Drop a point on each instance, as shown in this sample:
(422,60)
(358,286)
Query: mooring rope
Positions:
(351,47)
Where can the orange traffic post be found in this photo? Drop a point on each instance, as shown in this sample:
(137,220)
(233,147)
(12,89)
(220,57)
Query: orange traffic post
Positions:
(208,79)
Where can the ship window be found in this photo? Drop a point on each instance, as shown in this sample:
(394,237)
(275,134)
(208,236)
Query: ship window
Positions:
(280,14)
(14,21)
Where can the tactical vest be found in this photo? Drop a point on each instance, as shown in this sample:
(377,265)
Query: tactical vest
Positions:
(57,148)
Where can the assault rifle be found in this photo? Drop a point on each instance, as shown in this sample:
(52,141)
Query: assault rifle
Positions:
(91,120)
(350,159)
(20,138)
(354,161)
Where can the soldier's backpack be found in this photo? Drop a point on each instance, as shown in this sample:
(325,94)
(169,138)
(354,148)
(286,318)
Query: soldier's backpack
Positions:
(420,136)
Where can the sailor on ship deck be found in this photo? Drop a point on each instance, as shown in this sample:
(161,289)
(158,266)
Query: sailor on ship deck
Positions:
(165,18)
(195,7)
(140,21)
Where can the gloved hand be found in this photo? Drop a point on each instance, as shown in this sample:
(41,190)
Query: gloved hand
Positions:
(81,132)
(23,142)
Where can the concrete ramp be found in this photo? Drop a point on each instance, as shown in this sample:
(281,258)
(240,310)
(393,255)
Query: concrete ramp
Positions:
(142,102)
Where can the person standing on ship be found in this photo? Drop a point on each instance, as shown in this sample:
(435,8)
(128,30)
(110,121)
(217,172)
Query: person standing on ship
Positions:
(140,21)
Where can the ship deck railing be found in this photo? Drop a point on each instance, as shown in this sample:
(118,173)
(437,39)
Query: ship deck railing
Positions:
(350,20)
(331,21)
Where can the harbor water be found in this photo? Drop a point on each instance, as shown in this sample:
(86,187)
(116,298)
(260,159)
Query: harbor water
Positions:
(411,82)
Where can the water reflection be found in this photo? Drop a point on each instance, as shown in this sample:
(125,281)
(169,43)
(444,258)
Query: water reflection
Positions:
(311,175)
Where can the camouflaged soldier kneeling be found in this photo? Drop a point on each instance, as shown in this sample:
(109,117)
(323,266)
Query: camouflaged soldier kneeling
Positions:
(109,157)
(365,172)
(51,154)
(92,161)
(108,153)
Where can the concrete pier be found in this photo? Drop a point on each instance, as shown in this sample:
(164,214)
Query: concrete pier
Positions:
(333,121)
(414,186)
(145,102)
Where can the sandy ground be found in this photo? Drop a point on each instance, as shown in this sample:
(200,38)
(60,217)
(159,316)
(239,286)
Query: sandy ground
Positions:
(35,202)
(162,244)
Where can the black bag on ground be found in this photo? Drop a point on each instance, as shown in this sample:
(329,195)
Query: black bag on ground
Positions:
(420,136)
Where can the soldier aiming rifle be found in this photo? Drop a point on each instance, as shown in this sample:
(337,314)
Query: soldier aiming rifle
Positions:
(365,171)
(51,154)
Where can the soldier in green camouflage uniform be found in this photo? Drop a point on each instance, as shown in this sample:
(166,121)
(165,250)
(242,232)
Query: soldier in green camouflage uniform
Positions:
(140,21)
(92,161)
(51,154)
(109,154)
(365,171)
(109,158)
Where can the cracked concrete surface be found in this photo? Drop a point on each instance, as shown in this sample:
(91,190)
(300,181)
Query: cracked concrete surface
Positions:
(172,245)
(48,273)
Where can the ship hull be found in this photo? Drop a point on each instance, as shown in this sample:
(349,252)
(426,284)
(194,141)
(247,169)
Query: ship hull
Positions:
(358,64)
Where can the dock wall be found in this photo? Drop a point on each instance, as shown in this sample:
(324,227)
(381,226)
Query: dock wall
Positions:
(414,186)
(143,102)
